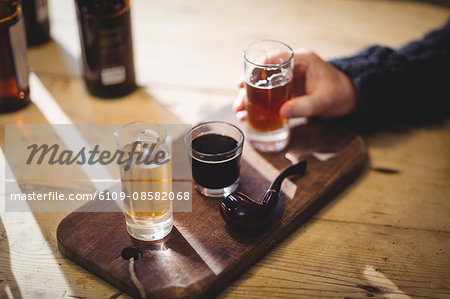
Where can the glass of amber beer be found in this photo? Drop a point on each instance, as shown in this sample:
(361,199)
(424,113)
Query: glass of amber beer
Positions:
(268,72)
(146,177)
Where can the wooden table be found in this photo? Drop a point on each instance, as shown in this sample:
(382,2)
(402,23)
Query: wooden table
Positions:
(386,235)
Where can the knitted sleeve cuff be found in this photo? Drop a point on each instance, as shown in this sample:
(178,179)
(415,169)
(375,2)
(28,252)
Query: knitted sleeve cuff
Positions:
(371,72)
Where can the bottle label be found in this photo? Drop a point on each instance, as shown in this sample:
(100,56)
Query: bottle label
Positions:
(113,75)
(41,11)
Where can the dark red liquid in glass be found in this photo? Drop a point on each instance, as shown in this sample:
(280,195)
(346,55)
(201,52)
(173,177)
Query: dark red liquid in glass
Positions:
(265,98)
(212,166)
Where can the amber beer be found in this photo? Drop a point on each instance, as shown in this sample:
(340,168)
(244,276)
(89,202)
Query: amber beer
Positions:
(264,102)
(146,179)
(141,179)
(14,89)
(268,72)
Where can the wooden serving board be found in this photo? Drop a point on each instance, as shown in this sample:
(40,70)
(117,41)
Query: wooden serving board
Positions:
(202,254)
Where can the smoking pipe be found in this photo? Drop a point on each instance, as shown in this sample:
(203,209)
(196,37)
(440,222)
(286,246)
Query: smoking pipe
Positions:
(244,213)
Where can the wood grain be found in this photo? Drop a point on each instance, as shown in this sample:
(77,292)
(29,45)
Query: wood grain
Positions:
(342,259)
(187,61)
(202,254)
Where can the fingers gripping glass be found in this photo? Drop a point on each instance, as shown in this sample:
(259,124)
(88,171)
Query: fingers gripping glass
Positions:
(268,73)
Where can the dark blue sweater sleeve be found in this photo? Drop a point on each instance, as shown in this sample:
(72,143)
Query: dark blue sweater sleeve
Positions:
(408,85)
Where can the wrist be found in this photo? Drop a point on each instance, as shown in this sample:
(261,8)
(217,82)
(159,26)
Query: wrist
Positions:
(348,93)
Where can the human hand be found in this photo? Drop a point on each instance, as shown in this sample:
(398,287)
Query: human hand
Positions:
(319,89)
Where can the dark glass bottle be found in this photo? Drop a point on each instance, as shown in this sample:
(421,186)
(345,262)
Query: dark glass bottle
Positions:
(37,25)
(107,48)
(14,89)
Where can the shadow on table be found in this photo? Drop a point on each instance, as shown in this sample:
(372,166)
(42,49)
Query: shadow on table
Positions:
(63,81)
(53,58)
(445,3)
(7,281)
(47,223)
(70,97)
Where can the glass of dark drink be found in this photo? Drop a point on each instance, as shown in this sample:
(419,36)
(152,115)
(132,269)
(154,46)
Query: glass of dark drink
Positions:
(215,150)
(268,72)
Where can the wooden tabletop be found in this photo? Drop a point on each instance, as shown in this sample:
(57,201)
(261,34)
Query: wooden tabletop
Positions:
(387,235)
